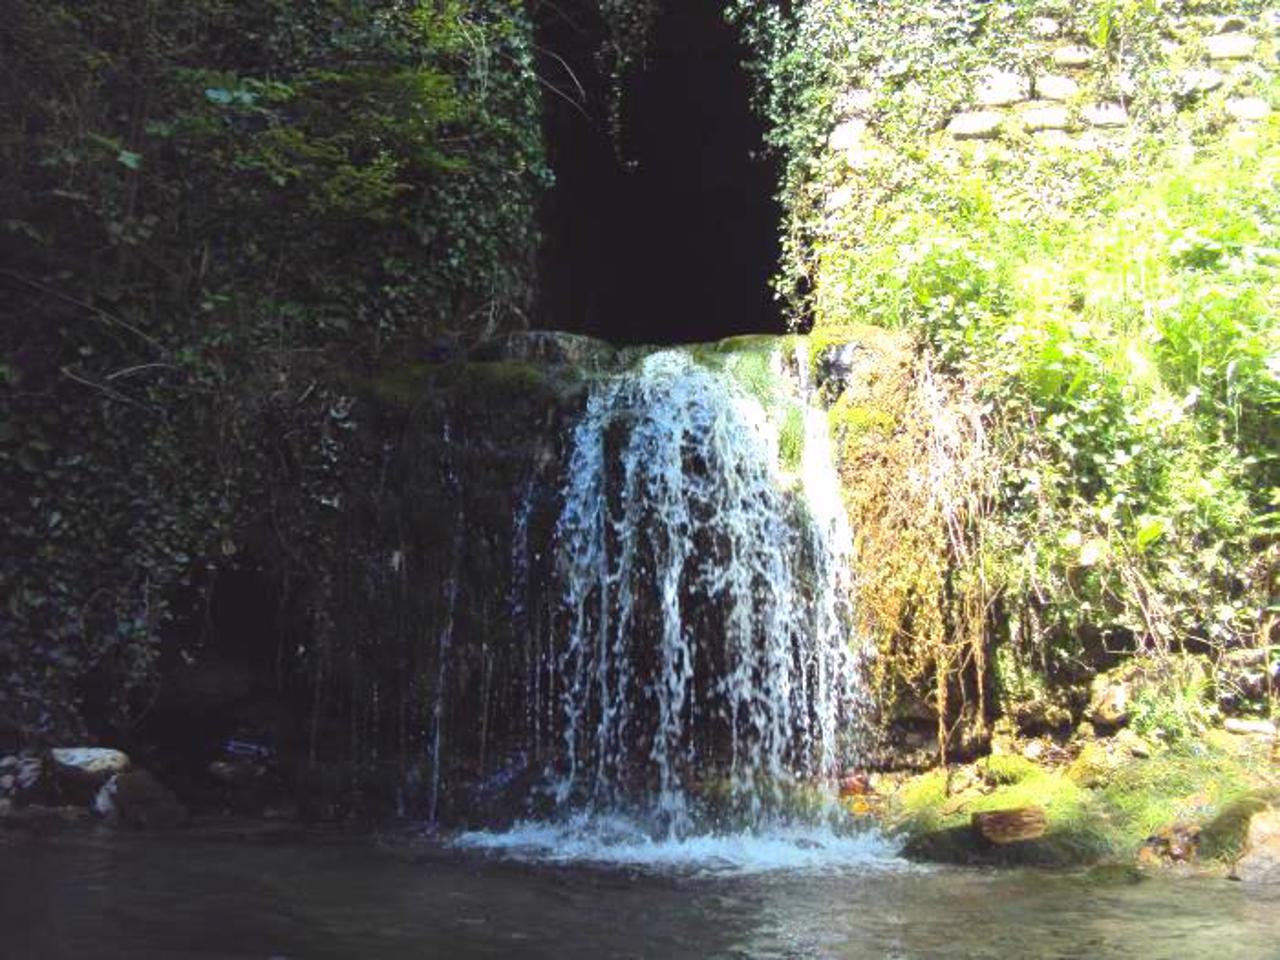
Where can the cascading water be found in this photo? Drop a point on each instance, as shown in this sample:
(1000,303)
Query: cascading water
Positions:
(706,629)
(699,677)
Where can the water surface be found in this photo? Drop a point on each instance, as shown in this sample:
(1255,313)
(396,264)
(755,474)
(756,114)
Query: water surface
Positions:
(229,893)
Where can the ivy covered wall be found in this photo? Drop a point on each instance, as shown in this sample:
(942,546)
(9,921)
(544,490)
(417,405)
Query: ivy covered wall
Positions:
(214,217)
(1070,207)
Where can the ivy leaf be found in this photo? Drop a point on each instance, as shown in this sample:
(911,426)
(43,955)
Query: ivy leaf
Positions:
(130,159)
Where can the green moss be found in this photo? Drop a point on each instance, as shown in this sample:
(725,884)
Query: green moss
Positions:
(1006,769)
(1105,816)
(791,437)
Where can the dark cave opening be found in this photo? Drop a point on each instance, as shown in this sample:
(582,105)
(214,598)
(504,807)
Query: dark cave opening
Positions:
(672,235)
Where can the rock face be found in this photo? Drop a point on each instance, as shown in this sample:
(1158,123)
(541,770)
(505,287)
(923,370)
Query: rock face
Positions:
(1261,860)
(80,771)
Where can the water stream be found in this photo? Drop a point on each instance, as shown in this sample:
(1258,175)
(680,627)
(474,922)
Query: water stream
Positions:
(700,674)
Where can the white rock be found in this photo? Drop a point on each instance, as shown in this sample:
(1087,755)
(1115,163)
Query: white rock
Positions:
(976,125)
(1001,88)
(1253,728)
(1106,115)
(1054,86)
(1248,109)
(1191,82)
(1074,56)
(97,763)
(1230,46)
(1046,118)
(1046,28)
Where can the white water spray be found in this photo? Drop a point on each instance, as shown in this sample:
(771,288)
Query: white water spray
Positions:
(704,645)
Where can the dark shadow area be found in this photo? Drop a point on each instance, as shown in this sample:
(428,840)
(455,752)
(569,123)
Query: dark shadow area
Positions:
(676,239)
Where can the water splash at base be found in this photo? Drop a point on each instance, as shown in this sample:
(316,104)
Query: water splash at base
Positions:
(613,840)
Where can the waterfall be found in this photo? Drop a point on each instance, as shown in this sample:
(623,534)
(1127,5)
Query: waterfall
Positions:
(703,636)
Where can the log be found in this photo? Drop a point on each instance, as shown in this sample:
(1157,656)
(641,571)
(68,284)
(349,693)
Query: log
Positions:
(1010,826)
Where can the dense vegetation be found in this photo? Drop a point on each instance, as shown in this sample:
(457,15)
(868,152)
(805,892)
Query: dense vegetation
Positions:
(1102,306)
(214,216)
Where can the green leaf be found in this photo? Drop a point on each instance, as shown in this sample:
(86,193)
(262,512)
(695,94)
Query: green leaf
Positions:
(130,159)
(1152,529)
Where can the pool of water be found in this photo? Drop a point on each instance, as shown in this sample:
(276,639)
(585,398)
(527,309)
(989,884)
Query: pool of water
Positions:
(215,892)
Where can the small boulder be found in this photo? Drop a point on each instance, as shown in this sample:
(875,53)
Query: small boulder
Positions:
(1230,46)
(1054,86)
(1250,728)
(1248,109)
(1231,24)
(1073,57)
(81,771)
(1261,860)
(976,125)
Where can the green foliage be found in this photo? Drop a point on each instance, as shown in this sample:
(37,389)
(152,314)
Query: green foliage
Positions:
(1175,705)
(215,216)
(1113,305)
